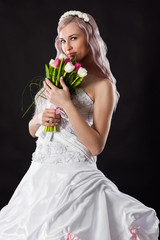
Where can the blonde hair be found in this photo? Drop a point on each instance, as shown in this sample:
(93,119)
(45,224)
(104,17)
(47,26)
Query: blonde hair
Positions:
(95,41)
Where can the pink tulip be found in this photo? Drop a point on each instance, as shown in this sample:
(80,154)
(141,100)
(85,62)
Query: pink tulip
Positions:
(72,236)
(67,60)
(77,66)
(57,62)
(134,233)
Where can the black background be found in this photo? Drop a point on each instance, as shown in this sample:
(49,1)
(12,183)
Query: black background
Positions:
(129,28)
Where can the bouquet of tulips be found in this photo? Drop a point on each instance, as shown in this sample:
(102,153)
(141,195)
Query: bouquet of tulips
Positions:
(70,70)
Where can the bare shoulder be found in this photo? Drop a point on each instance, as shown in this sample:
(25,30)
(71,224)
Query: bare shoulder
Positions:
(103,88)
(98,88)
(104,96)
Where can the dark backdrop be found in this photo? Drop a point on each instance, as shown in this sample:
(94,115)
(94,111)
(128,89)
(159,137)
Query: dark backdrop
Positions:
(28,30)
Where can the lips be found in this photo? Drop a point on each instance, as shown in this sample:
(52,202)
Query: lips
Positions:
(72,54)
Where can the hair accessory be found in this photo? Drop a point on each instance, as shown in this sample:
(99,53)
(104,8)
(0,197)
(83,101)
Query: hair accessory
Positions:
(75,13)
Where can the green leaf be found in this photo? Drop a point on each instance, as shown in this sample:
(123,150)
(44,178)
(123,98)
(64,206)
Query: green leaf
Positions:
(73,60)
(39,95)
(37,83)
(62,70)
(53,77)
(47,71)
(76,83)
(72,78)
(59,74)
(50,72)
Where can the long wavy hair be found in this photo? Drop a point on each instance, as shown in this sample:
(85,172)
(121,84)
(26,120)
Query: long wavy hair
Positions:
(95,41)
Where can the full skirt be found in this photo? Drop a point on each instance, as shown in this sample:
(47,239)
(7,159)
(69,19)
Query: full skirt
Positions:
(74,201)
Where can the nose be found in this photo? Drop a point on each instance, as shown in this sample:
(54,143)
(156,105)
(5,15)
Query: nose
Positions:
(68,46)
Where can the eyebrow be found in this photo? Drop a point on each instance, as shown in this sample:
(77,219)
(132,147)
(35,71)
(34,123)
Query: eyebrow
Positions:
(71,35)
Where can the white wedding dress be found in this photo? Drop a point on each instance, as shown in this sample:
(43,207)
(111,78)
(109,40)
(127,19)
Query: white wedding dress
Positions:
(64,196)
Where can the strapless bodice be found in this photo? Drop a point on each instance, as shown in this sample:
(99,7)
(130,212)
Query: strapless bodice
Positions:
(64,145)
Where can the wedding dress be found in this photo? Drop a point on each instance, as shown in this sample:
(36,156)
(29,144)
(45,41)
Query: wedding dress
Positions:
(64,196)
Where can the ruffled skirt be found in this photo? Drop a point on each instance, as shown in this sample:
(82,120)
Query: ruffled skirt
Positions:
(74,201)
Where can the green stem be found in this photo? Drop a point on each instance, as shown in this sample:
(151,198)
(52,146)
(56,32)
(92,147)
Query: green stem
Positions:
(53,77)
(50,129)
(64,74)
(32,103)
(74,81)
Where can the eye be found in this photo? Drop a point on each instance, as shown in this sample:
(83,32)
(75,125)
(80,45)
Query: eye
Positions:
(73,38)
(63,41)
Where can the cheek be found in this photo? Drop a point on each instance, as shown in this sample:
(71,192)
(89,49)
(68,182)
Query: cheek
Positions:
(84,49)
(63,49)
(88,49)
(84,46)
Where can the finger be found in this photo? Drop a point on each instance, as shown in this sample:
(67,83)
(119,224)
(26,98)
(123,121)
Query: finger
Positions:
(63,83)
(50,84)
(49,124)
(51,116)
(46,86)
(49,121)
(54,120)
(52,123)
(51,113)
(50,110)
(58,116)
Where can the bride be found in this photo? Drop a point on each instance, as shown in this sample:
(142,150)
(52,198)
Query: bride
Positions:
(64,195)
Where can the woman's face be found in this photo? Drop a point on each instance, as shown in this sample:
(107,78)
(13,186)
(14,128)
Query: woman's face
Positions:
(74,41)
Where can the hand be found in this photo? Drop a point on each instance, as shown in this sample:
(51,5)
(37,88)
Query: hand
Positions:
(49,117)
(57,96)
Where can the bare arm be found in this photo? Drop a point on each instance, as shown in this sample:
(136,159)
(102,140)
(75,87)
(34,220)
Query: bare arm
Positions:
(93,138)
(33,125)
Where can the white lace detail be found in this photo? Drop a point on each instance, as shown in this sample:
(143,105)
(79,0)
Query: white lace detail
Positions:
(56,152)
(64,146)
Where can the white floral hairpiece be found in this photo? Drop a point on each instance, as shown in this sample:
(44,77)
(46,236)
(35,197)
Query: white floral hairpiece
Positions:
(75,13)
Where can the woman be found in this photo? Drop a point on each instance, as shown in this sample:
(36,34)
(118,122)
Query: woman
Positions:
(63,195)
